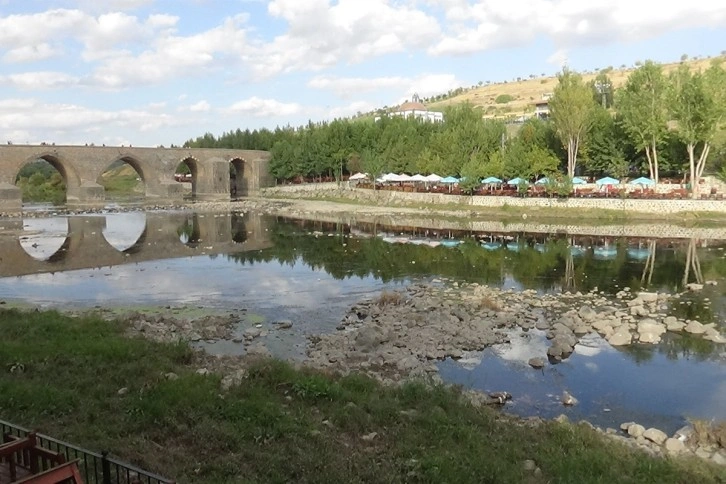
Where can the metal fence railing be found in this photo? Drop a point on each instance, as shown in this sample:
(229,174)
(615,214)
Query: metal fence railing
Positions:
(95,468)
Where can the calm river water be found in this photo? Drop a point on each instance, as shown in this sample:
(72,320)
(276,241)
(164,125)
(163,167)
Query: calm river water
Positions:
(311,272)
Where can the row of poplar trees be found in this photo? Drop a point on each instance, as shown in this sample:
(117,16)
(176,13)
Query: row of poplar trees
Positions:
(656,124)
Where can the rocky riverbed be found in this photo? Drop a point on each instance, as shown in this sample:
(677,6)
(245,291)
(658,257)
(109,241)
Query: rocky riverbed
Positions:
(404,333)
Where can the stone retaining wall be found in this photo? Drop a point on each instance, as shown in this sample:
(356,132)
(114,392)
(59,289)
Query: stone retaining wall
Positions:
(394,198)
(656,230)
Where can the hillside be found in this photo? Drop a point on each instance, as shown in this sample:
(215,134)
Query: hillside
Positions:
(526,92)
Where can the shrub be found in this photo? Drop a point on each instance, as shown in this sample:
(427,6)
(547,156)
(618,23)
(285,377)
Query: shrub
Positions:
(504,99)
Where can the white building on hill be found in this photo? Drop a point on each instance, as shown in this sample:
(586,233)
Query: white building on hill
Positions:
(416,109)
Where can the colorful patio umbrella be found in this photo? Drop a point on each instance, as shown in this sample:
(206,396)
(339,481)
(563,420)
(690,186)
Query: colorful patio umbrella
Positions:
(450,179)
(642,181)
(491,179)
(542,181)
(516,181)
(607,181)
(578,181)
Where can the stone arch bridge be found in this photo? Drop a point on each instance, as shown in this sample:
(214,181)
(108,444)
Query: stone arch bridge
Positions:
(82,166)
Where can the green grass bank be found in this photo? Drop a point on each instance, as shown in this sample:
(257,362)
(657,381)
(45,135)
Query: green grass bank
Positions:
(283,424)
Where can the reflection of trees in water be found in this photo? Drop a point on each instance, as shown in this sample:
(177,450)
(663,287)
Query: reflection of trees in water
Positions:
(649,267)
(639,353)
(537,263)
(674,347)
(686,346)
(692,263)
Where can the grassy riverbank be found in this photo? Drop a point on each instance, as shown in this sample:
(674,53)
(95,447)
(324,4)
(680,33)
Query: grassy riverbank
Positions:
(282,424)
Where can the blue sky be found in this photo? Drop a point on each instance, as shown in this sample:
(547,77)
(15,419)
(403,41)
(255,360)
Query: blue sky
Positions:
(157,72)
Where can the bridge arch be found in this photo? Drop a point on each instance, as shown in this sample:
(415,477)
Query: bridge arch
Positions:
(65,169)
(193,166)
(238,177)
(125,182)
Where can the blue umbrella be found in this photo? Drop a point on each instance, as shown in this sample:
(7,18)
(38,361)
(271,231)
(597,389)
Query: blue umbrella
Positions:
(607,181)
(450,179)
(491,179)
(638,254)
(451,243)
(642,181)
(578,181)
(576,250)
(516,181)
(542,181)
(605,252)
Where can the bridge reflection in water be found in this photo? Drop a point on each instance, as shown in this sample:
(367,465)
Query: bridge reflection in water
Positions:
(164,236)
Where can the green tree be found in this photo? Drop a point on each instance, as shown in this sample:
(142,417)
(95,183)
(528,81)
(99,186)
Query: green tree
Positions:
(374,164)
(472,172)
(604,152)
(698,105)
(643,109)
(571,109)
(602,90)
(541,161)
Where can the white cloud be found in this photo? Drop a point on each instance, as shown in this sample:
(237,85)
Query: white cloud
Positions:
(321,34)
(23,33)
(40,121)
(423,85)
(346,87)
(475,26)
(201,106)
(558,58)
(30,53)
(351,109)
(263,108)
(429,84)
(176,56)
(39,80)
(107,5)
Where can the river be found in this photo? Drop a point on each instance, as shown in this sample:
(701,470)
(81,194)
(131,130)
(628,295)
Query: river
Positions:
(311,272)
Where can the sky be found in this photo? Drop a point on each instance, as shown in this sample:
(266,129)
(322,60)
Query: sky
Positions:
(159,72)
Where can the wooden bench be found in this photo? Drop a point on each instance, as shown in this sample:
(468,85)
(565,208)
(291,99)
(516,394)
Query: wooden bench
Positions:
(25,455)
(64,473)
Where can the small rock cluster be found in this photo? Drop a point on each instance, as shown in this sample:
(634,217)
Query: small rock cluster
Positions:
(170,329)
(655,441)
